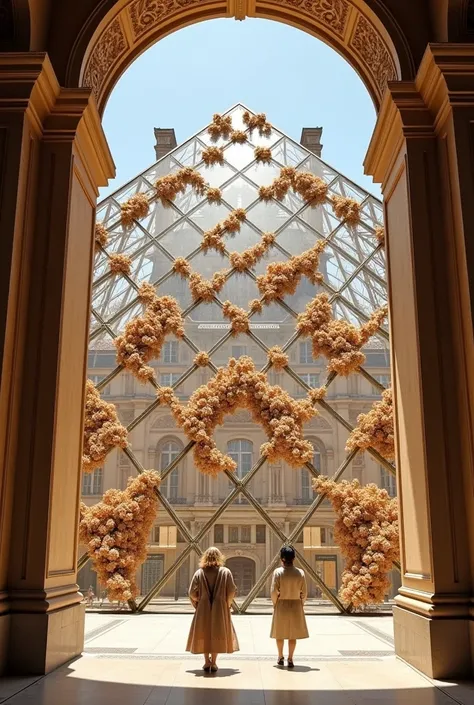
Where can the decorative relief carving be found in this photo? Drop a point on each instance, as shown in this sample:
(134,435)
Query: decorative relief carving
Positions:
(372,50)
(163,422)
(332,14)
(144,14)
(111,45)
(318,423)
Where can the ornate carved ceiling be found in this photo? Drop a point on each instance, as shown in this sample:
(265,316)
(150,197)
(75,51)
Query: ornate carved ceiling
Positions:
(343,24)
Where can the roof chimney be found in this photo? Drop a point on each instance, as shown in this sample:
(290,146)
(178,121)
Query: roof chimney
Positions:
(165,141)
(311,139)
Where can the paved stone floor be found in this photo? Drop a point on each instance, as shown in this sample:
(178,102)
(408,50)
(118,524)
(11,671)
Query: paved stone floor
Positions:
(139,660)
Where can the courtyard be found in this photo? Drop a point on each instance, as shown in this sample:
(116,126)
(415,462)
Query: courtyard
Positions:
(139,660)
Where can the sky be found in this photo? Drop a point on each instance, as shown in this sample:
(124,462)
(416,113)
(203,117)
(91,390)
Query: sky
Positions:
(270,67)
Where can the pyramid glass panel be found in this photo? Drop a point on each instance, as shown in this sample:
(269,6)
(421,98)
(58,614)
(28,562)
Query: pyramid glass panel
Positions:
(251,511)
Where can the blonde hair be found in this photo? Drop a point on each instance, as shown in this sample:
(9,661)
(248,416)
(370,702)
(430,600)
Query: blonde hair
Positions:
(211,558)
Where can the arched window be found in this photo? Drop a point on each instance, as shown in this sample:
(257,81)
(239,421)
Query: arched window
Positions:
(169,451)
(307,494)
(241,451)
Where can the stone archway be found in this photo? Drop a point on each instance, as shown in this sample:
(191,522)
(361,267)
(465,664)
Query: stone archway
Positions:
(374,49)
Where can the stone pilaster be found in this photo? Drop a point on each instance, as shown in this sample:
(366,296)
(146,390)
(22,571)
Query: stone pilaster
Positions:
(54,156)
(421,130)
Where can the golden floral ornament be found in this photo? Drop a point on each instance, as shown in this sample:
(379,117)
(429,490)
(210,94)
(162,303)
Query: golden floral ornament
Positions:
(214,195)
(120,264)
(380,235)
(375,429)
(102,429)
(169,186)
(367,532)
(282,278)
(144,335)
(135,208)
(312,189)
(338,340)
(115,532)
(206,289)
(239,385)
(238,137)
(347,209)
(202,359)
(249,257)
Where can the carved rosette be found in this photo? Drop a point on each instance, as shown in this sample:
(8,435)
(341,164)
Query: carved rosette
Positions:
(332,14)
(146,14)
(110,47)
(368,44)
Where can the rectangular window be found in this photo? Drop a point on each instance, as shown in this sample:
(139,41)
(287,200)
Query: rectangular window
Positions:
(169,352)
(383,379)
(311,379)
(239,350)
(306,352)
(129,385)
(261,533)
(219,533)
(92,482)
(167,379)
(233,534)
(388,482)
(245,534)
(156,534)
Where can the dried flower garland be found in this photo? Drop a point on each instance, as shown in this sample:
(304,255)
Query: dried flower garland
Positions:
(375,429)
(213,155)
(239,320)
(238,137)
(120,264)
(263,154)
(240,386)
(311,188)
(283,277)
(366,530)
(249,257)
(101,235)
(277,358)
(257,122)
(347,209)
(102,429)
(135,208)
(221,126)
(206,289)
(116,531)
(338,340)
(144,335)
(213,238)
(168,187)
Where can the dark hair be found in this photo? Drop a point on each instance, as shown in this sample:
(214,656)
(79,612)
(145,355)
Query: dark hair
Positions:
(287,555)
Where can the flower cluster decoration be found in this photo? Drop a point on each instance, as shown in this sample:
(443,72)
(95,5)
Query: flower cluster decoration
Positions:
(375,429)
(347,209)
(263,154)
(144,335)
(257,122)
(115,532)
(239,385)
(238,137)
(367,532)
(282,278)
(277,358)
(221,126)
(248,258)
(239,320)
(311,188)
(135,208)
(338,340)
(120,264)
(212,155)
(101,235)
(102,429)
(169,186)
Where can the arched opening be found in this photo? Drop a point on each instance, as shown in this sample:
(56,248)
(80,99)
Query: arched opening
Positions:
(243,570)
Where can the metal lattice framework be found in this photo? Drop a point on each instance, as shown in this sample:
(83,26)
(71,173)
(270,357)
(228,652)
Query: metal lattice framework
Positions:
(354,278)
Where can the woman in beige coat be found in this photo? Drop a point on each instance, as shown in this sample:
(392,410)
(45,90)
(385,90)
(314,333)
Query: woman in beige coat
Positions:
(288,596)
(212,591)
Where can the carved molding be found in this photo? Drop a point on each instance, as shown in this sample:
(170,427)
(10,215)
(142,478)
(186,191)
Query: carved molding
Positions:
(333,14)
(371,48)
(111,45)
(146,14)
(318,423)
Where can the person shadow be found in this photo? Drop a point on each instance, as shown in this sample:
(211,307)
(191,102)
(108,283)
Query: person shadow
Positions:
(297,669)
(221,673)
